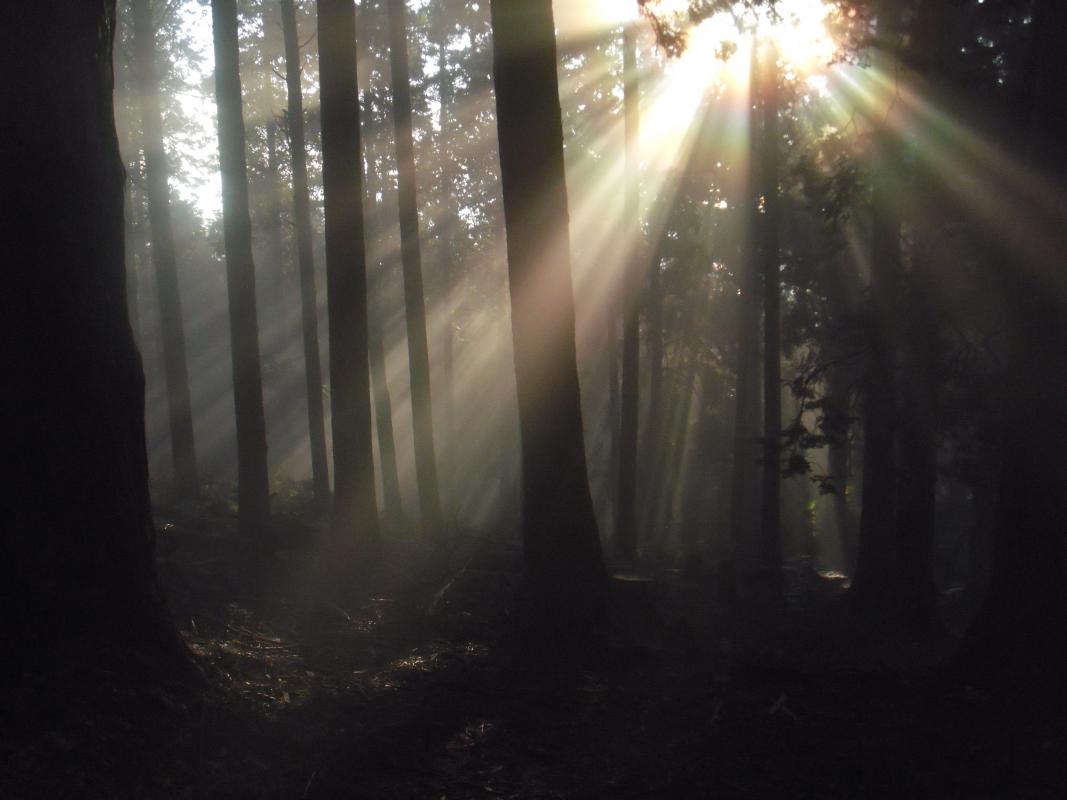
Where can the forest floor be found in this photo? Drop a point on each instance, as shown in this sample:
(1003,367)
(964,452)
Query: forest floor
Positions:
(412,689)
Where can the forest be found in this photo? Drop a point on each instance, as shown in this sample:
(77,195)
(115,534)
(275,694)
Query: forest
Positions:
(531,399)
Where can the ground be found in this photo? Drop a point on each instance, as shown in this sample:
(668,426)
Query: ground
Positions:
(414,687)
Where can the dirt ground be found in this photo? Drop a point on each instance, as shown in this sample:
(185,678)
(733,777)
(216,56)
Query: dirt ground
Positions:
(414,687)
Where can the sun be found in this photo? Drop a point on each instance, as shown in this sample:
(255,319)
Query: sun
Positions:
(799,29)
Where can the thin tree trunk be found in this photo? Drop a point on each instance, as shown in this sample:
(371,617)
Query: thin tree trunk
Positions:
(355,508)
(253,486)
(449,224)
(309,313)
(383,407)
(743,487)
(414,296)
(626,498)
(175,372)
(564,568)
(770,555)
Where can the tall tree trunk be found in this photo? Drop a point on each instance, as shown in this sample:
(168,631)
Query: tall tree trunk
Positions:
(449,224)
(383,407)
(626,497)
(414,297)
(354,505)
(770,554)
(309,306)
(564,570)
(77,552)
(276,288)
(253,486)
(873,583)
(130,251)
(179,406)
(1018,636)
(743,485)
(917,439)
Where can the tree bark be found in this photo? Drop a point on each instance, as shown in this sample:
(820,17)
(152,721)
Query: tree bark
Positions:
(770,554)
(354,508)
(253,485)
(564,571)
(309,306)
(873,584)
(414,296)
(175,371)
(383,406)
(743,484)
(77,552)
(626,497)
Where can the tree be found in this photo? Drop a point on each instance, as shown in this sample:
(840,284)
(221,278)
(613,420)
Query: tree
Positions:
(354,507)
(1018,633)
(156,174)
(564,572)
(626,496)
(743,493)
(309,313)
(78,542)
(414,300)
(770,550)
(253,487)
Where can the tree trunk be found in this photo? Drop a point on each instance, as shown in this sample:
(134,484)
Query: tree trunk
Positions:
(354,505)
(414,299)
(383,407)
(449,225)
(564,571)
(743,485)
(77,552)
(770,551)
(626,498)
(1018,636)
(873,583)
(309,306)
(179,406)
(917,440)
(253,486)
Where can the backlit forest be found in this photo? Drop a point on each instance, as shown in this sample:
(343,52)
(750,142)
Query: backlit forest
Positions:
(532,399)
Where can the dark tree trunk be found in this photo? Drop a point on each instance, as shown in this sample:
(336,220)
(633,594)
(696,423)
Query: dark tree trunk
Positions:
(562,554)
(354,506)
(743,484)
(917,442)
(309,307)
(873,583)
(1018,635)
(770,551)
(179,406)
(383,406)
(838,454)
(449,224)
(253,486)
(414,297)
(77,549)
(276,280)
(132,284)
(626,497)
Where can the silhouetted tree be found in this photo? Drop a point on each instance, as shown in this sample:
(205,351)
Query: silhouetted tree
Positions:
(414,296)
(156,175)
(309,313)
(564,570)
(355,508)
(770,550)
(253,486)
(77,549)
(626,494)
